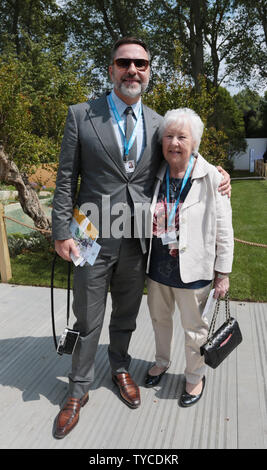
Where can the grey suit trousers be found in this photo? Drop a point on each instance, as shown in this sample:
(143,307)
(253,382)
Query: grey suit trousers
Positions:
(124,273)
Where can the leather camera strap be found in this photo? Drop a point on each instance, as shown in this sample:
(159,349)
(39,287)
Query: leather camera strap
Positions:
(52,297)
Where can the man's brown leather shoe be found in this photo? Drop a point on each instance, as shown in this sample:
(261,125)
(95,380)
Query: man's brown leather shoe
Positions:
(129,391)
(68,417)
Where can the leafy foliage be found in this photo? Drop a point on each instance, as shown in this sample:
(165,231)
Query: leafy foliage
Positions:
(180,93)
(229,119)
(254,111)
(35,93)
(56,53)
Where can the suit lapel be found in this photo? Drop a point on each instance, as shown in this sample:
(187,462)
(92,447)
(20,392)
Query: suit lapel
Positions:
(102,123)
(150,123)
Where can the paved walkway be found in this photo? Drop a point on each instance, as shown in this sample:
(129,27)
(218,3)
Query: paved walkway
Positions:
(33,383)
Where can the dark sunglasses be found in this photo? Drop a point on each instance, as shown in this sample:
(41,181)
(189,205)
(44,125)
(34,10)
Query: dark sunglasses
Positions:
(140,64)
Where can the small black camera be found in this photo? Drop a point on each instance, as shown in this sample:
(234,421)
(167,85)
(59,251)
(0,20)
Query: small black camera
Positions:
(67,341)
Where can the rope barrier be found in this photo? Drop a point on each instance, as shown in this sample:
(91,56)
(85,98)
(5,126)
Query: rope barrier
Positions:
(250,243)
(26,225)
(261,245)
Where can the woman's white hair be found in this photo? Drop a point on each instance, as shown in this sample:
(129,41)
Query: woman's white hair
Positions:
(182,116)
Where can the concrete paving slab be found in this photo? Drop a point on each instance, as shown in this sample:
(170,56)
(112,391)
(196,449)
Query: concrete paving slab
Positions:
(34,382)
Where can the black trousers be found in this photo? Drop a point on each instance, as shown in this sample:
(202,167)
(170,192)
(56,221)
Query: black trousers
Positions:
(124,273)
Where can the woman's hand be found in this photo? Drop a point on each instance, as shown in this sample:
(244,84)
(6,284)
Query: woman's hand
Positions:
(225,185)
(221,286)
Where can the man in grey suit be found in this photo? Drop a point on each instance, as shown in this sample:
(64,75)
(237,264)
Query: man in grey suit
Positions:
(94,148)
(116,170)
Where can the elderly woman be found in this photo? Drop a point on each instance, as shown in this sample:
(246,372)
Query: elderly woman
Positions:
(192,245)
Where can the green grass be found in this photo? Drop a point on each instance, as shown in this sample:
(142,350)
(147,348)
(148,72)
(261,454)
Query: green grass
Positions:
(242,174)
(34,268)
(248,280)
(249,276)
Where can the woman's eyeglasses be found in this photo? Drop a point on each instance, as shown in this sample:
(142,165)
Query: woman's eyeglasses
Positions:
(140,64)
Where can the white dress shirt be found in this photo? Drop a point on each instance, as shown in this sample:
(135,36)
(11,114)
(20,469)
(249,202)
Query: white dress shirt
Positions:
(141,134)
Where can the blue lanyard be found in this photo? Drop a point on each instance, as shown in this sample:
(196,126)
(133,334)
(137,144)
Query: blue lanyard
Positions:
(127,145)
(185,179)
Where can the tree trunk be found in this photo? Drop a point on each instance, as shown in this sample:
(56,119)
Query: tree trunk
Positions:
(196,40)
(15,29)
(28,198)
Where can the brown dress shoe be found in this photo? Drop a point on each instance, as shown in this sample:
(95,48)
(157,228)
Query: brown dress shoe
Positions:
(129,391)
(68,417)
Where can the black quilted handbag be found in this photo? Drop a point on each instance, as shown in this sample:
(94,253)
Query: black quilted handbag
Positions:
(221,343)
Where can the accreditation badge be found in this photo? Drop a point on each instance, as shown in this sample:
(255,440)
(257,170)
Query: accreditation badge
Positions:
(130,166)
(169,237)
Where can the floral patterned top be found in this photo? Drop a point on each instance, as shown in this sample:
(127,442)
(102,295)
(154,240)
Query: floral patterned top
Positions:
(164,264)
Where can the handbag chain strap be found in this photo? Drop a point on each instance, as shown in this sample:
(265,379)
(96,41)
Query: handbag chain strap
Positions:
(215,314)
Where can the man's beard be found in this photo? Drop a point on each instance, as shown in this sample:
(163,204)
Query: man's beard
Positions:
(131,91)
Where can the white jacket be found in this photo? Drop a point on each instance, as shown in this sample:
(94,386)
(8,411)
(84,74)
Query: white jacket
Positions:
(206,240)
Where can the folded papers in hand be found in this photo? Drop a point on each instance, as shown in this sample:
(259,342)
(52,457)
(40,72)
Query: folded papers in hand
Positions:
(85,235)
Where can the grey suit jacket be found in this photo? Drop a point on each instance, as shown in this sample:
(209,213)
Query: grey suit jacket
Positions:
(89,149)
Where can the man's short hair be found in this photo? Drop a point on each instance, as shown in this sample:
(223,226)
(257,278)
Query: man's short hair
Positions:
(128,40)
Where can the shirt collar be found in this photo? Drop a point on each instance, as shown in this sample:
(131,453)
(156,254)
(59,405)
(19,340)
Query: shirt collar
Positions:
(121,105)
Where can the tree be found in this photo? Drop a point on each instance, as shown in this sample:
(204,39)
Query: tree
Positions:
(249,103)
(224,133)
(247,60)
(226,117)
(21,20)
(219,18)
(215,35)
(34,96)
(179,93)
(263,109)
(204,30)
(187,18)
(95,25)
(56,53)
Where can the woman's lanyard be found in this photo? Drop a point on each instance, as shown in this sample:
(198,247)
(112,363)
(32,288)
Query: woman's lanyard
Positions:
(129,144)
(185,179)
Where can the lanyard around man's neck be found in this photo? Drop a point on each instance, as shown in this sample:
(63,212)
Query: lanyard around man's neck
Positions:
(127,145)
